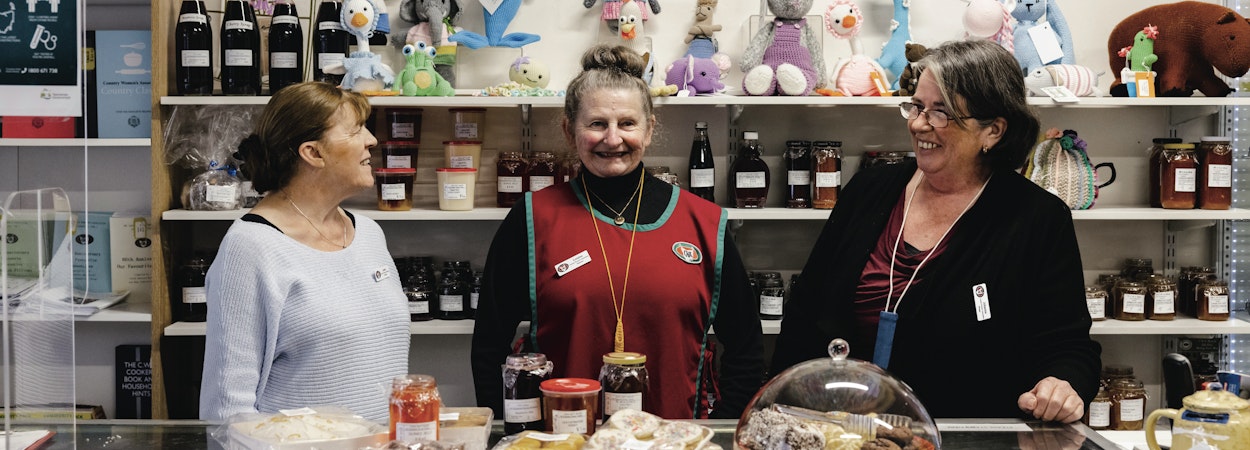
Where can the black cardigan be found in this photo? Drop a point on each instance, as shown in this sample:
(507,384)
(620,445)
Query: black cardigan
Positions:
(1017,238)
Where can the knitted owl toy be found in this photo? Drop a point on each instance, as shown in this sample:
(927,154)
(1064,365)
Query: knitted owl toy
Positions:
(1195,39)
(1030,14)
(612,11)
(784,57)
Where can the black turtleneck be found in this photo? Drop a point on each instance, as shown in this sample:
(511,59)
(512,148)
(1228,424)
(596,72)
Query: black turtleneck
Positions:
(504,299)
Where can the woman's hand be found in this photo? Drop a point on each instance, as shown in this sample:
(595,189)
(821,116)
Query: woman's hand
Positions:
(1052,400)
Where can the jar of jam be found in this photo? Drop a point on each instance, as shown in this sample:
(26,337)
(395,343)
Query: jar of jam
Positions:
(419,291)
(542,170)
(798,162)
(1096,301)
(394,188)
(452,291)
(1128,404)
(570,405)
(1098,415)
(1213,302)
(827,165)
(772,295)
(403,124)
(1108,282)
(1155,167)
(1134,267)
(414,408)
(510,170)
(624,380)
(1161,298)
(1215,173)
(1130,303)
(465,270)
(523,373)
(1112,372)
(1191,277)
(1179,177)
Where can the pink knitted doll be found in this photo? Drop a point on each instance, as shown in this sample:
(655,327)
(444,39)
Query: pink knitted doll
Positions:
(853,76)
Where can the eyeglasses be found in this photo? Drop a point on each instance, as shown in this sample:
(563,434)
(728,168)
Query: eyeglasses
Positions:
(937,118)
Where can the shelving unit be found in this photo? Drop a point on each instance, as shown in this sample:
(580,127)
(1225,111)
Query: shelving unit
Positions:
(75,142)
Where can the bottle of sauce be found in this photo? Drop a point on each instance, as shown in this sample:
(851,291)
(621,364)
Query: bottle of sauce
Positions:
(827,165)
(749,177)
(523,374)
(286,47)
(414,408)
(194,294)
(330,41)
(240,50)
(1215,173)
(798,163)
(702,167)
(510,176)
(1178,177)
(193,42)
(542,170)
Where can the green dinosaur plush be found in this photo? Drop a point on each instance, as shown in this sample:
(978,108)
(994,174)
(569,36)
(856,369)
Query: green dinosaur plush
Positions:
(419,77)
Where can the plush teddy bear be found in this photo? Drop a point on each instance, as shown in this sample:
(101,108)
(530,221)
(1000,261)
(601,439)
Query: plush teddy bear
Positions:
(784,57)
(907,81)
(1029,14)
(1193,37)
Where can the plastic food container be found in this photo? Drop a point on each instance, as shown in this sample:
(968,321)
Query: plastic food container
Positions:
(570,405)
(399,155)
(468,123)
(456,188)
(394,188)
(462,154)
(404,124)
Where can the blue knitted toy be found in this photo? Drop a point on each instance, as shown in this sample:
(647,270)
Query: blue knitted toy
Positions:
(1028,14)
(894,53)
(496,23)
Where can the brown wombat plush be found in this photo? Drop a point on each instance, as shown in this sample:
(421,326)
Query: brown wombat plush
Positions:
(907,81)
(1193,37)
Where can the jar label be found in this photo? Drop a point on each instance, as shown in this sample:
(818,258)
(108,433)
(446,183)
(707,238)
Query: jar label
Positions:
(284,20)
(1135,303)
(192,18)
(828,179)
(195,294)
(700,178)
(398,162)
(752,180)
(1219,175)
(510,184)
(462,162)
(455,191)
(522,410)
(412,432)
(568,421)
(238,25)
(196,58)
(473,300)
(326,59)
(1186,180)
(1100,414)
(613,402)
(421,307)
(1131,409)
(239,57)
(225,194)
(771,305)
(402,130)
(1097,307)
(537,183)
(330,25)
(394,191)
(283,60)
(1165,303)
(798,177)
(1217,304)
(451,302)
(466,131)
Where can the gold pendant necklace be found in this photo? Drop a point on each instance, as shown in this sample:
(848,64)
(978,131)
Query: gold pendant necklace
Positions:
(620,215)
(618,337)
(314,226)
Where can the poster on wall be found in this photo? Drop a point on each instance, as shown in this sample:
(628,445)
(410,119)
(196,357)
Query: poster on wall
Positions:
(39,58)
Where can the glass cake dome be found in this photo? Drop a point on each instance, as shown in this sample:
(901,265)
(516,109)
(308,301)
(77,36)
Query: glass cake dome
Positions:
(835,403)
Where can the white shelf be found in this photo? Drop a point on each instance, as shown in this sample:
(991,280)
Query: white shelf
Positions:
(75,142)
(1181,325)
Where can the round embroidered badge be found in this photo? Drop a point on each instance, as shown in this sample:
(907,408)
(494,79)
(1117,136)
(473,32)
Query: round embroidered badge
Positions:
(687,252)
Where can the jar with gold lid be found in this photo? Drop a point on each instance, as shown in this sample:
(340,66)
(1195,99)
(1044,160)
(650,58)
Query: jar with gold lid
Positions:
(1161,296)
(1178,178)
(1213,301)
(1096,301)
(1215,173)
(624,379)
(1130,301)
(1128,404)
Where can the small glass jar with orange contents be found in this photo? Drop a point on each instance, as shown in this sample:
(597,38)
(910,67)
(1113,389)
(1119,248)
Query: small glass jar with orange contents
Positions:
(570,405)
(414,408)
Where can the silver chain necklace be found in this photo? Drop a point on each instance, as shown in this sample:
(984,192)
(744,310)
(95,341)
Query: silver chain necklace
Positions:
(314,226)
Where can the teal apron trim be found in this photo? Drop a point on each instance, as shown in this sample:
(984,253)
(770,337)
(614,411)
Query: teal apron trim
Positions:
(533,263)
(716,280)
(668,211)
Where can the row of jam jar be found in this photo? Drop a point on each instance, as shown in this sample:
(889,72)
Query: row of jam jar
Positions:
(403,124)
(1120,403)
(452,296)
(1188,176)
(814,171)
(518,173)
(1147,295)
(532,400)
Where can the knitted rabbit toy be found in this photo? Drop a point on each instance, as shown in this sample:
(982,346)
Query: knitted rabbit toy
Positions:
(784,57)
(702,30)
(612,11)
(1029,14)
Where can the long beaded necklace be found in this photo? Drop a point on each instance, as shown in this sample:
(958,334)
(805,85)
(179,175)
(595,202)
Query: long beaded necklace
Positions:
(314,226)
(618,338)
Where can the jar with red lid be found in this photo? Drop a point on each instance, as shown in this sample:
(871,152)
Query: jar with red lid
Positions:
(414,408)
(542,170)
(1154,167)
(570,405)
(1215,173)
(1178,179)
(394,188)
(510,172)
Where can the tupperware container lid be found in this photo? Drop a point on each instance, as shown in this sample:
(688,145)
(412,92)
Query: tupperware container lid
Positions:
(462,142)
(570,385)
(395,171)
(455,169)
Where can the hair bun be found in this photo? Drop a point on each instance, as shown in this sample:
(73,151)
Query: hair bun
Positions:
(614,57)
(248,147)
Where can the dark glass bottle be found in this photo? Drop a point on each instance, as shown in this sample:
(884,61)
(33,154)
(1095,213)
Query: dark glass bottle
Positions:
(194,295)
(798,174)
(330,41)
(286,47)
(193,41)
(772,295)
(240,50)
(749,177)
(475,291)
(702,168)
(452,291)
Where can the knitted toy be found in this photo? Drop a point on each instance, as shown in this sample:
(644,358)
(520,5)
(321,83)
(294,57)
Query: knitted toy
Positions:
(1081,80)
(853,76)
(784,57)
(1193,36)
(1029,15)
(894,52)
(363,71)
(529,72)
(990,19)
(419,77)
(699,38)
(696,75)
(629,21)
(907,81)
(612,11)
(497,20)
(433,22)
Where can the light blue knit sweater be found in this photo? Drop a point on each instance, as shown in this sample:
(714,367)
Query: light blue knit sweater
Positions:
(290,326)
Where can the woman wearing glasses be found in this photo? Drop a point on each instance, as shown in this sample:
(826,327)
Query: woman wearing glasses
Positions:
(954,272)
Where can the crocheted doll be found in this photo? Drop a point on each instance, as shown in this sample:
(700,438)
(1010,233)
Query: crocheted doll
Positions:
(699,38)
(989,19)
(1029,14)
(784,57)
(529,72)
(433,22)
(419,77)
(1080,80)
(363,71)
(894,52)
(612,11)
(496,24)
(1193,37)
(858,74)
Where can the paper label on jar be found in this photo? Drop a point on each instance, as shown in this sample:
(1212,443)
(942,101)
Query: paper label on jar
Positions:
(283,60)
(1100,414)
(798,177)
(537,183)
(1097,307)
(195,294)
(196,58)
(828,179)
(1186,180)
(1217,304)
(544,437)
(613,402)
(421,307)
(700,178)
(327,59)
(398,162)
(462,162)
(466,130)
(403,130)
(1219,175)
(1135,303)
(395,191)
(451,303)
(522,410)
(473,300)
(225,194)
(238,57)
(454,191)
(1131,409)
(568,421)
(412,432)
(751,180)
(771,305)
(1165,303)
(510,184)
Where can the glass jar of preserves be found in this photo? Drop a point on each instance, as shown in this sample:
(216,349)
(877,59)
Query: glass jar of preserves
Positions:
(1134,267)
(1179,177)
(570,405)
(394,188)
(1108,282)
(1096,301)
(827,165)
(772,295)
(1161,298)
(1215,173)
(624,379)
(1128,404)
(452,291)
(403,124)
(414,408)
(1213,302)
(1130,301)
(1190,278)
(399,155)
(419,291)
(464,269)
(510,170)
(1112,372)
(523,373)
(1155,166)
(542,170)
(1098,415)
(798,162)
